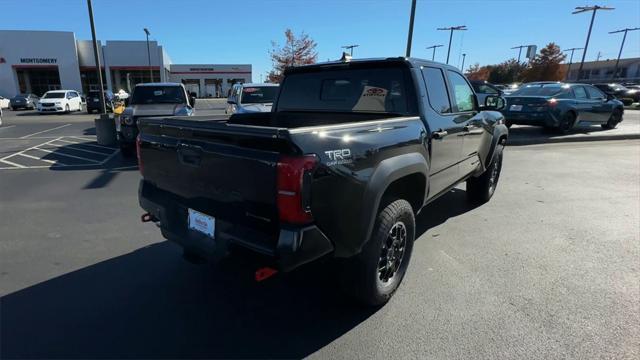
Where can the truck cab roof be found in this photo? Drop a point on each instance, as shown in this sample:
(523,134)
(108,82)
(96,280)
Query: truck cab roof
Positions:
(391,61)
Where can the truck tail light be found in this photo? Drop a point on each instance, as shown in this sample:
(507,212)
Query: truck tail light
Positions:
(294,192)
(138,145)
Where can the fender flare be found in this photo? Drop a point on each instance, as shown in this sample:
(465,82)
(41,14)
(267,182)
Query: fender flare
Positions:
(388,171)
(500,132)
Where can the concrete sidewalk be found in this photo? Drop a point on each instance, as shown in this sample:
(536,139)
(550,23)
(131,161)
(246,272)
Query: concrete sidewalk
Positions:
(629,128)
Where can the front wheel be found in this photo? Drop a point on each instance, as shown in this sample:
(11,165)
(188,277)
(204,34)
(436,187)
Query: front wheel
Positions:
(67,109)
(480,189)
(614,120)
(374,275)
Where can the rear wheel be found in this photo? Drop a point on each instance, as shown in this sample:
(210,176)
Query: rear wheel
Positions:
(375,274)
(480,189)
(614,120)
(566,123)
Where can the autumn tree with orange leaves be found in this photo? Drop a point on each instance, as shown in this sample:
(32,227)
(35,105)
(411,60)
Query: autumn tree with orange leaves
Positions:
(297,50)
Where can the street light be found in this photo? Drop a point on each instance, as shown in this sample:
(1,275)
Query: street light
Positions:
(615,70)
(410,35)
(519,47)
(463,57)
(350,47)
(452,29)
(579,10)
(571,60)
(146,31)
(433,57)
(97,59)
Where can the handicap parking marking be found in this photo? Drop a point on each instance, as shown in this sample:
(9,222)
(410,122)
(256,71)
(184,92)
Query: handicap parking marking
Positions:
(60,152)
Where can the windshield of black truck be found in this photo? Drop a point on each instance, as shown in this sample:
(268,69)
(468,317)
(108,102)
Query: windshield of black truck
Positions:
(369,90)
(158,95)
(259,94)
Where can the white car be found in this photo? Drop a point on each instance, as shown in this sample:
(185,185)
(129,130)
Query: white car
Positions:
(60,101)
(251,98)
(4,103)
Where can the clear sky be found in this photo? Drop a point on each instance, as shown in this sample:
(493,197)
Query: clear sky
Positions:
(235,31)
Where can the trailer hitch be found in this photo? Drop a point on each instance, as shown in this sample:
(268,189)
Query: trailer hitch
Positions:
(147,217)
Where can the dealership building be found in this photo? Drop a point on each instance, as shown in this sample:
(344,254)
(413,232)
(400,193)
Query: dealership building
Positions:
(39,61)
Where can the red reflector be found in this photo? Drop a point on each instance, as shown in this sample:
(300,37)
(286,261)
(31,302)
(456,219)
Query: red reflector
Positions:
(265,273)
(138,142)
(291,171)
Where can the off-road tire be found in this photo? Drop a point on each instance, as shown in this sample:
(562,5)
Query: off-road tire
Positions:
(480,189)
(362,280)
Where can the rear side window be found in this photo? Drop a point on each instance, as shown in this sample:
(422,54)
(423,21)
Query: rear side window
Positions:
(580,92)
(436,89)
(462,92)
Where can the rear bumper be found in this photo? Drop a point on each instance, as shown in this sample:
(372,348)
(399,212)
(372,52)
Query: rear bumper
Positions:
(294,246)
(532,118)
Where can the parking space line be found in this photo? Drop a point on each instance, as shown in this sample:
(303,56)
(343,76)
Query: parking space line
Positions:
(11,163)
(44,131)
(25,150)
(100,146)
(67,155)
(110,157)
(78,148)
(40,159)
(7,127)
(70,142)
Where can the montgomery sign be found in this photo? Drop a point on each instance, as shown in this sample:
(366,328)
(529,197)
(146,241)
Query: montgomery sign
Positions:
(39,60)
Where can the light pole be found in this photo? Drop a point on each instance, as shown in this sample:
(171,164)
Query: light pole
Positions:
(434,47)
(410,35)
(97,59)
(463,57)
(452,29)
(594,9)
(615,69)
(520,47)
(350,48)
(570,61)
(146,31)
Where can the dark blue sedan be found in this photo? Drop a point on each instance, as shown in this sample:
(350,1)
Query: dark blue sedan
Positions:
(562,106)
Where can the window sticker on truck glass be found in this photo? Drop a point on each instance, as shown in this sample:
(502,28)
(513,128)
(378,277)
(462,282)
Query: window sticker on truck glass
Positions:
(372,98)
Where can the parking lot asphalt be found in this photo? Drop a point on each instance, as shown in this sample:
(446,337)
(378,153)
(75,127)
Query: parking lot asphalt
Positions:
(548,269)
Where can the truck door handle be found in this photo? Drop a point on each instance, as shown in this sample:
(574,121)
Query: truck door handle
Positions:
(439,134)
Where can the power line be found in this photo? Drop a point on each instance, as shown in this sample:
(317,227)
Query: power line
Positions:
(626,30)
(434,47)
(452,29)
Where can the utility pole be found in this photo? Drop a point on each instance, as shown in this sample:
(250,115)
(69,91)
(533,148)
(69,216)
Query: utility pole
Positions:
(462,68)
(350,48)
(452,29)
(599,55)
(434,47)
(146,31)
(579,10)
(103,103)
(570,61)
(410,36)
(615,69)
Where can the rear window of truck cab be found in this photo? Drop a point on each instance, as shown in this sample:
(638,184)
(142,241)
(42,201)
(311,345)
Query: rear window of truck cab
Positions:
(158,95)
(349,90)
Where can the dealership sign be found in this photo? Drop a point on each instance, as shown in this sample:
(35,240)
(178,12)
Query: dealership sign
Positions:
(38,60)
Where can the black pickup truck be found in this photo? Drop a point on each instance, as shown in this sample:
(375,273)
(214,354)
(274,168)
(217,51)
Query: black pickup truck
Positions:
(350,152)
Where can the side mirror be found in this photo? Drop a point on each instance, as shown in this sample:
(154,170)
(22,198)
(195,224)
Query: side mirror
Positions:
(493,102)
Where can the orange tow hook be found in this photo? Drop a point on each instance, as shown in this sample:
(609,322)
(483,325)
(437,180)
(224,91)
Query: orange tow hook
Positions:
(265,273)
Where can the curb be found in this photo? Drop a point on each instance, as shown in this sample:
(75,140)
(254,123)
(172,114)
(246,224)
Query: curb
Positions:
(535,141)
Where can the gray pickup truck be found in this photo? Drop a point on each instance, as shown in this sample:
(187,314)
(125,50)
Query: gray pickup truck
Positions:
(151,100)
(349,154)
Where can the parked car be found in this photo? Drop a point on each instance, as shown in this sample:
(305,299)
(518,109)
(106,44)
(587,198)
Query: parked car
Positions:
(93,101)
(151,99)
(349,154)
(484,89)
(562,106)
(60,101)
(248,98)
(0,116)
(510,88)
(23,101)
(627,96)
(4,102)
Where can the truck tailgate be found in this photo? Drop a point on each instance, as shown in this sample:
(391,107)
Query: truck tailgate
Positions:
(226,171)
